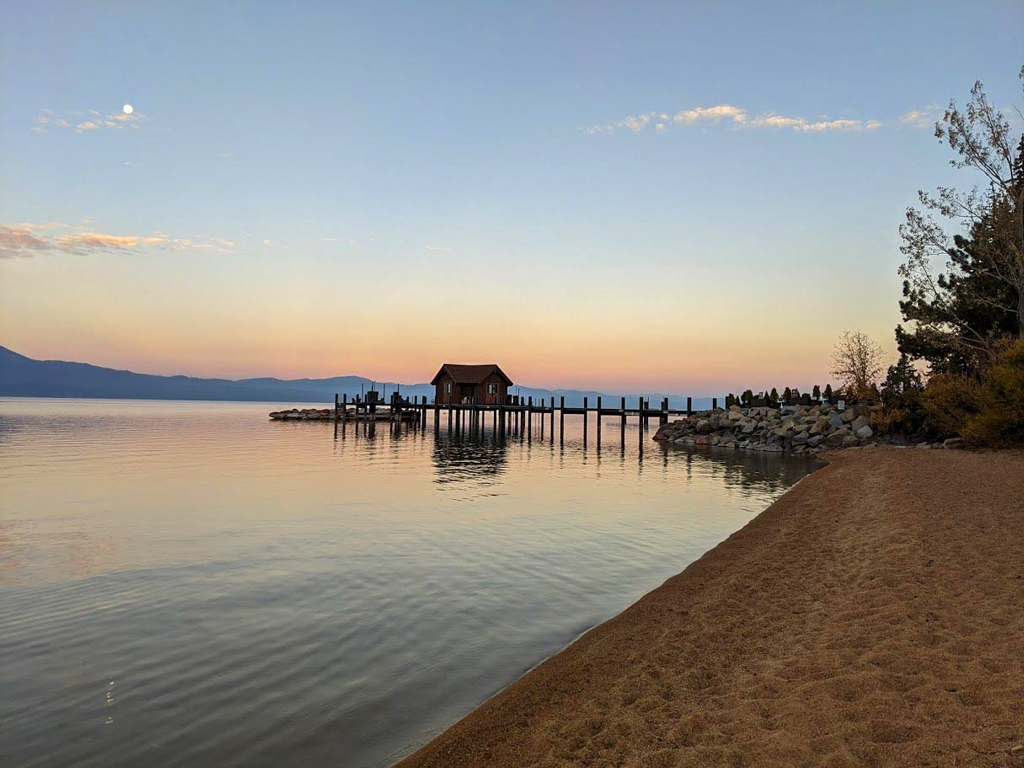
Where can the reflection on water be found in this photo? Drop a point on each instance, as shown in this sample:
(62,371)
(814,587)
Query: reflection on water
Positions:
(190,584)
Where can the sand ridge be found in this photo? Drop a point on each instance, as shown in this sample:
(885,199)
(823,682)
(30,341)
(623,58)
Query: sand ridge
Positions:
(870,617)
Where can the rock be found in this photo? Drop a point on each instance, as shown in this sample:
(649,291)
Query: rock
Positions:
(735,409)
(821,426)
(924,446)
(704,426)
(849,441)
(864,432)
(800,439)
(849,415)
(954,444)
(860,421)
(815,441)
(665,432)
(837,420)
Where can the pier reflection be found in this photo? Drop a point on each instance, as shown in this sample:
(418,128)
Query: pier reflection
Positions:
(481,457)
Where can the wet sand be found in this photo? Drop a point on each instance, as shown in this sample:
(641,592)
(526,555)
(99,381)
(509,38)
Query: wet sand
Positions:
(873,616)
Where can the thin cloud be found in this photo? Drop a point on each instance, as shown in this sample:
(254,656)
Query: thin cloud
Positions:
(97,241)
(27,240)
(921,118)
(48,120)
(19,242)
(733,116)
(817,126)
(439,248)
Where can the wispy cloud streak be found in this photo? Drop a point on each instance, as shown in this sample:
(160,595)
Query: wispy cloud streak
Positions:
(86,122)
(921,118)
(27,240)
(732,116)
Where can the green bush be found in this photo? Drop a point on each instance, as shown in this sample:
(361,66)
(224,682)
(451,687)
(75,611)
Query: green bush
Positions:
(999,420)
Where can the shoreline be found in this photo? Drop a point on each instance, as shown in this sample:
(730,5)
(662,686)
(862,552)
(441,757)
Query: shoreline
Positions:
(872,615)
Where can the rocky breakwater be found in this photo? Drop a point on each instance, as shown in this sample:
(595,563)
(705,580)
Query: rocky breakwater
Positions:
(797,429)
(306,414)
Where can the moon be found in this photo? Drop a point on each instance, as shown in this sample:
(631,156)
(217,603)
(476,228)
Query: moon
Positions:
(127,109)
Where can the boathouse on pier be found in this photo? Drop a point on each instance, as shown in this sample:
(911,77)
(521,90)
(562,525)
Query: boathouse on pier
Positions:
(479,384)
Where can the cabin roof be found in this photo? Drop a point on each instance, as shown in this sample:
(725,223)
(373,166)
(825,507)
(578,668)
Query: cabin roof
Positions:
(470,374)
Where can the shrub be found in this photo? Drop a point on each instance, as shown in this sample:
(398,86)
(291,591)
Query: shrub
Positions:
(902,413)
(950,400)
(999,420)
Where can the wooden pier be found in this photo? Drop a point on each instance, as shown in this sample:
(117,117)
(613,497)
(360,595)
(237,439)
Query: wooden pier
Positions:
(516,414)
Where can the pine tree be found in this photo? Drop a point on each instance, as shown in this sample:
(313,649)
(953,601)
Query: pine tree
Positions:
(816,392)
(828,393)
(773,398)
(787,396)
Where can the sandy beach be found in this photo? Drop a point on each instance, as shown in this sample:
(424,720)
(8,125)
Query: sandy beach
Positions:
(873,616)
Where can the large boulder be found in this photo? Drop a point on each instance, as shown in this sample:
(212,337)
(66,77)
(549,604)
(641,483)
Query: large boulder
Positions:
(705,426)
(822,426)
(864,432)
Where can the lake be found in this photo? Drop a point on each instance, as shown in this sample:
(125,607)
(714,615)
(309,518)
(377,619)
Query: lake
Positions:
(190,584)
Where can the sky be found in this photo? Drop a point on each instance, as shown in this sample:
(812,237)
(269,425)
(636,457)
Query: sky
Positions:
(682,197)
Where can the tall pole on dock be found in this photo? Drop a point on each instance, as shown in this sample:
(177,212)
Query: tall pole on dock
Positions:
(640,431)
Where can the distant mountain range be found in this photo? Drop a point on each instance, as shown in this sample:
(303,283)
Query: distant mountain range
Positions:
(22,376)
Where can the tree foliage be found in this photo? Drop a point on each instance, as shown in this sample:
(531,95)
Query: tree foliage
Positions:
(902,377)
(963,293)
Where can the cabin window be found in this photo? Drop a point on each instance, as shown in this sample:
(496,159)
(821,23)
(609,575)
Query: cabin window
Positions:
(448,388)
(492,389)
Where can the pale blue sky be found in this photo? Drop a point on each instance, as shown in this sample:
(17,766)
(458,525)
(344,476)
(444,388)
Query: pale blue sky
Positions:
(450,142)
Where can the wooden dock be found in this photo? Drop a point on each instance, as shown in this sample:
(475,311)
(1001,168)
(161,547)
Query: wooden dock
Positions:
(516,414)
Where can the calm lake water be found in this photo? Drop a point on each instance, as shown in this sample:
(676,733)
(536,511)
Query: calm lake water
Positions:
(189,584)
